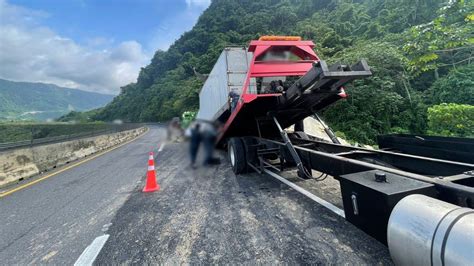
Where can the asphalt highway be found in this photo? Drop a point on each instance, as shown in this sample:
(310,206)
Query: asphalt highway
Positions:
(211,216)
(53,221)
(203,216)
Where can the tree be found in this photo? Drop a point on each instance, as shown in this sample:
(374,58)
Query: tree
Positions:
(404,41)
(456,87)
(380,104)
(447,41)
(451,120)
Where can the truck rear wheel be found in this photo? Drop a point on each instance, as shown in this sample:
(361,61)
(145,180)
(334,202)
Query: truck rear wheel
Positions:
(236,151)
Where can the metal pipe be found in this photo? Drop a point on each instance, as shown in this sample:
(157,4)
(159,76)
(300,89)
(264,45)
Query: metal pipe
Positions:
(408,156)
(308,194)
(462,190)
(292,150)
(457,188)
(327,129)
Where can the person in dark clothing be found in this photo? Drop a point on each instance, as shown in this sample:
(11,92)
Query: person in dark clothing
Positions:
(233,99)
(194,142)
(209,134)
(280,88)
(273,86)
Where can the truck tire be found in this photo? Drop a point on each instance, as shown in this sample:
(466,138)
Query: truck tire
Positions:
(236,152)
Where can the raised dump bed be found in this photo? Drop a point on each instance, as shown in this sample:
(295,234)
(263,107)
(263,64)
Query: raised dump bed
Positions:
(228,74)
(281,75)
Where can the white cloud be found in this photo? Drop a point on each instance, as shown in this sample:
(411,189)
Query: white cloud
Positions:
(31,52)
(99,41)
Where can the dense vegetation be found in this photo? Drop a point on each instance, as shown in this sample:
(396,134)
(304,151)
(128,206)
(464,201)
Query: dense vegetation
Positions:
(451,120)
(39,101)
(420,53)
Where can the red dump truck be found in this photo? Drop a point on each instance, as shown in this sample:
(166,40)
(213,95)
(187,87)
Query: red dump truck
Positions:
(421,207)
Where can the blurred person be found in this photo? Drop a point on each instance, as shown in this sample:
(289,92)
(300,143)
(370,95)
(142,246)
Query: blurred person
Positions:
(209,135)
(280,88)
(194,141)
(271,88)
(174,130)
(233,99)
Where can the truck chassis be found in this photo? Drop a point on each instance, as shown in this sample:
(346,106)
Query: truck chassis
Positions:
(402,174)
(380,188)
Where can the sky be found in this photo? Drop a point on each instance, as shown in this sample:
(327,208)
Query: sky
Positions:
(93,45)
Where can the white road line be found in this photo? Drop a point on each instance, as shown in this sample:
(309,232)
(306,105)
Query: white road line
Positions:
(162,146)
(308,194)
(89,254)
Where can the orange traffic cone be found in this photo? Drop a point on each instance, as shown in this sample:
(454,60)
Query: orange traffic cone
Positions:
(151,184)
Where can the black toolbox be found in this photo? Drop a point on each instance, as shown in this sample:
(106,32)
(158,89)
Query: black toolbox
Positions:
(368,202)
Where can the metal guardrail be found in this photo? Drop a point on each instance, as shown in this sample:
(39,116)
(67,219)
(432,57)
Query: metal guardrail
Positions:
(62,138)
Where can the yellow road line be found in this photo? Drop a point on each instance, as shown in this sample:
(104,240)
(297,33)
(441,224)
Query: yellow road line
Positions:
(6,193)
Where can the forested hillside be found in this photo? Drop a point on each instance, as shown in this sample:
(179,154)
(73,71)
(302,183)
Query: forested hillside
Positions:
(40,101)
(420,53)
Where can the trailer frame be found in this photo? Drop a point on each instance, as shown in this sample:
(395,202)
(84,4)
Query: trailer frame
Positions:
(298,151)
(372,182)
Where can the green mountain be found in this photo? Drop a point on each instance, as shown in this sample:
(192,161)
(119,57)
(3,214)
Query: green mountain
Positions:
(409,45)
(40,101)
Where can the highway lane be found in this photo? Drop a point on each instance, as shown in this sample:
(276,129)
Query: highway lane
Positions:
(53,221)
